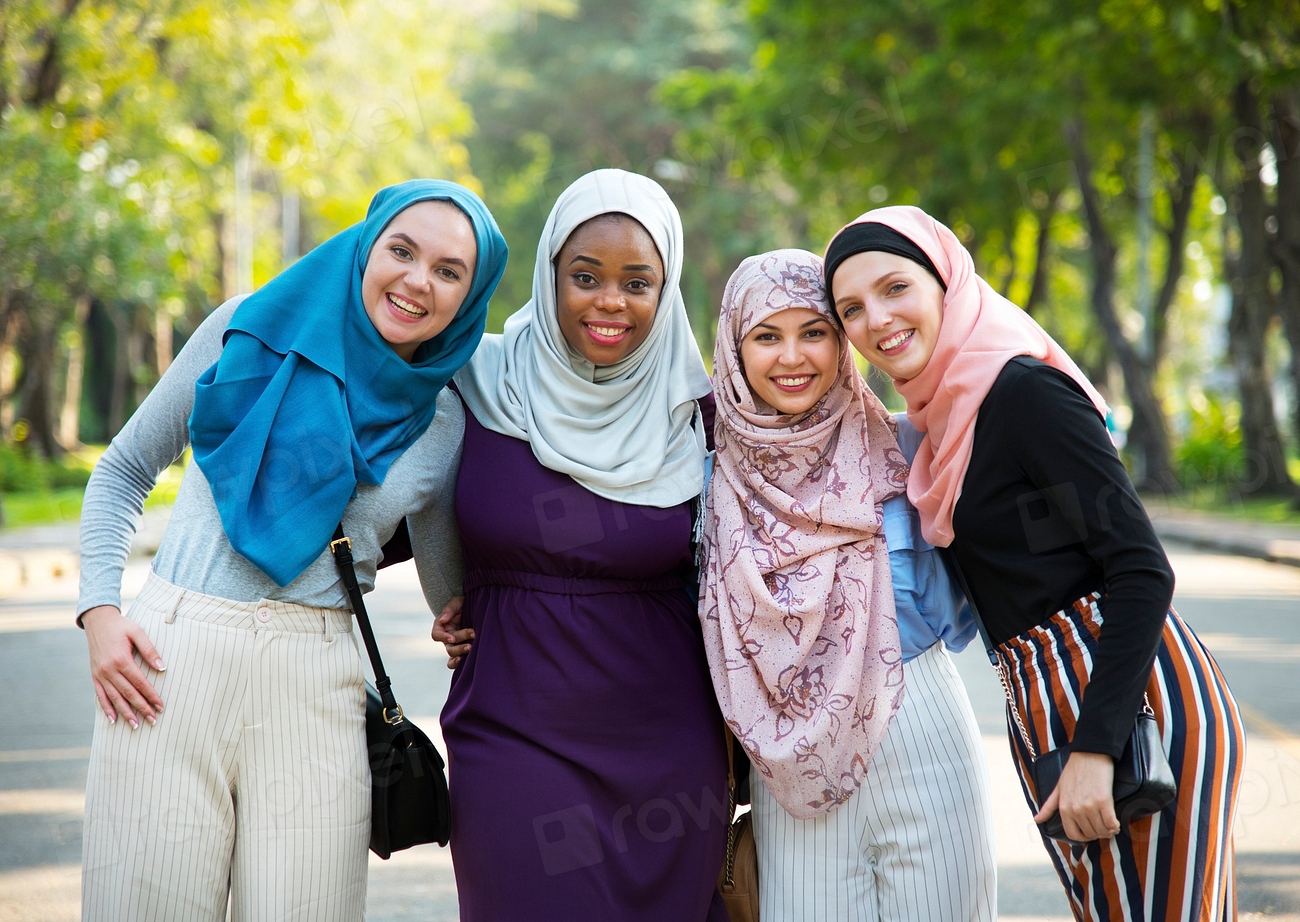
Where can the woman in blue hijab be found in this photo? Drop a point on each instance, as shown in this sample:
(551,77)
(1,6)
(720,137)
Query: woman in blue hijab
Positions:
(237,772)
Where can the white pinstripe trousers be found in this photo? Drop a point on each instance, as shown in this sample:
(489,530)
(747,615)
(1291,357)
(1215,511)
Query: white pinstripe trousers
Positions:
(254,785)
(914,844)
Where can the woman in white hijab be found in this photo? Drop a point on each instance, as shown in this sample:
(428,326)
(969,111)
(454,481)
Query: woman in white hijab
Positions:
(586,747)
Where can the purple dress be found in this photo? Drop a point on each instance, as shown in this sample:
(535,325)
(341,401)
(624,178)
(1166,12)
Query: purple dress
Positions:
(587,764)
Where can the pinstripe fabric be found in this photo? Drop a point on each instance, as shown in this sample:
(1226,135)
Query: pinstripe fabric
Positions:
(1178,864)
(253,786)
(914,843)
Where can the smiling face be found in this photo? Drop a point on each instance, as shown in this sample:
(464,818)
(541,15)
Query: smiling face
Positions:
(891,309)
(791,359)
(608,278)
(418,274)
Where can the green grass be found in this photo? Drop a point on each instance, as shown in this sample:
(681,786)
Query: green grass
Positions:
(44,507)
(1265,510)
(48,507)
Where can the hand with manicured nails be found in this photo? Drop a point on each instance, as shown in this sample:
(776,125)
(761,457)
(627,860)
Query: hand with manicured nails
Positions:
(448,632)
(1085,797)
(120,685)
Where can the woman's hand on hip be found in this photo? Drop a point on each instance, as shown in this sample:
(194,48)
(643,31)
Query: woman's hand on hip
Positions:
(1085,797)
(448,632)
(120,685)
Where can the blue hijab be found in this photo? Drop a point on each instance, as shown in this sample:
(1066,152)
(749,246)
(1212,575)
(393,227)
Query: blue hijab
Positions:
(307,399)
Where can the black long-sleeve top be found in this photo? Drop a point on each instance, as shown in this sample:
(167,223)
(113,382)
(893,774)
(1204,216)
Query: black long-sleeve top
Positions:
(1047,514)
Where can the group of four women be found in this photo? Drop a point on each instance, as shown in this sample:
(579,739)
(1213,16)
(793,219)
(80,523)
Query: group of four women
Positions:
(564,505)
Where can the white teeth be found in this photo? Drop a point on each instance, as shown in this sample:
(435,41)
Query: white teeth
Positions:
(406,307)
(896,340)
(793,382)
(607,331)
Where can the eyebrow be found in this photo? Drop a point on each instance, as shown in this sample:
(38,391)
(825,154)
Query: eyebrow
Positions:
(802,326)
(415,248)
(891,275)
(636,267)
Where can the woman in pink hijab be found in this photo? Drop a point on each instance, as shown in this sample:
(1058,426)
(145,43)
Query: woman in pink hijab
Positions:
(1017,476)
(818,598)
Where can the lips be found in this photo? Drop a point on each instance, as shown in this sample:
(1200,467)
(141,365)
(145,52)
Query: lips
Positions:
(405,309)
(607,333)
(895,343)
(792,383)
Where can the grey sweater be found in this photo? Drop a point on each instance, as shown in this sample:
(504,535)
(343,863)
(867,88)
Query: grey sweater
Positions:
(195,553)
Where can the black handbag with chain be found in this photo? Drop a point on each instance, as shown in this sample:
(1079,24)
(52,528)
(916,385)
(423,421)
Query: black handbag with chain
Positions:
(409,800)
(1144,781)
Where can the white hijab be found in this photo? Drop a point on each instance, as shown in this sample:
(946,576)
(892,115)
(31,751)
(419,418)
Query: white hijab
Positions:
(629,432)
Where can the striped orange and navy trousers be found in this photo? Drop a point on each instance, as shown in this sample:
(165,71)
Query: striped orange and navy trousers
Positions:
(1174,865)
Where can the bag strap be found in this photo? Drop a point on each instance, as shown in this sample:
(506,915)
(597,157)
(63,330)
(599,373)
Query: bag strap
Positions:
(341,548)
(954,569)
(729,865)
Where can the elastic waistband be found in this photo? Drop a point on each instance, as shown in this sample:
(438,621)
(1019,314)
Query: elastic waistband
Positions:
(1083,614)
(262,615)
(566,585)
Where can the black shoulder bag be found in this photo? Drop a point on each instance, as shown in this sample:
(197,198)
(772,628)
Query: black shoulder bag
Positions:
(409,800)
(1144,782)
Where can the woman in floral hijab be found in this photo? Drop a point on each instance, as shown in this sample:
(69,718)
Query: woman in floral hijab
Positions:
(807,629)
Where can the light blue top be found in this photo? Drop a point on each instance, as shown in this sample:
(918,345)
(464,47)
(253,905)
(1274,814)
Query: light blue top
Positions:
(930,606)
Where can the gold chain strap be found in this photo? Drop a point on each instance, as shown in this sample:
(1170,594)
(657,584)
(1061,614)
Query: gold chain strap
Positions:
(729,875)
(1001,669)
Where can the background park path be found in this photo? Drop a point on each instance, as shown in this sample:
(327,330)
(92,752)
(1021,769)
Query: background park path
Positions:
(1247,611)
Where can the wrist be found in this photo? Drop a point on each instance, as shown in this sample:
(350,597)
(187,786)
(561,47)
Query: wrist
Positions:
(98,614)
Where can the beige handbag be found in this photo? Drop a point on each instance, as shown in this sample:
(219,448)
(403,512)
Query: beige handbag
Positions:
(738,882)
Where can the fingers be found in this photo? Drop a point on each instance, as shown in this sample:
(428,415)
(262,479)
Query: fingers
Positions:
(1049,807)
(148,652)
(105,703)
(453,662)
(150,655)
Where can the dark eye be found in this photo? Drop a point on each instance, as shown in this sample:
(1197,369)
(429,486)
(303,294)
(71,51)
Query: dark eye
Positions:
(639,285)
(815,334)
(401,252)
(765,338)
(449,274)
(584,278)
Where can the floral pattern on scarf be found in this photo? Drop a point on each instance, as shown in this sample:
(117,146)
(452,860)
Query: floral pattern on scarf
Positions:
(796,599)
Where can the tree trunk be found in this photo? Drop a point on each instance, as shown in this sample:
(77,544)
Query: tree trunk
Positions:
(121,374)
(1252,309)
(1286,108)
(1038,287)
(1148,437)
(1175,234)
(36,387)
(70,418)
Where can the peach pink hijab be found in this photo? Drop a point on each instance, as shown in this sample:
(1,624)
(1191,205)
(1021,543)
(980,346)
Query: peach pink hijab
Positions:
(980,333)
(796,600)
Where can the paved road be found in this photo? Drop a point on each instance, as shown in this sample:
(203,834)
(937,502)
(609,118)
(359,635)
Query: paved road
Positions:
(1247,611)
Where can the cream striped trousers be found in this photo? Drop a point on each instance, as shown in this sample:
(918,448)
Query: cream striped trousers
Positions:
(914,844)
(253,788)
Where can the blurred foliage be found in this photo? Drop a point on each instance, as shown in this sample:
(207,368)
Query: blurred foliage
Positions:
(23,471)
(1211,453)
(120,128)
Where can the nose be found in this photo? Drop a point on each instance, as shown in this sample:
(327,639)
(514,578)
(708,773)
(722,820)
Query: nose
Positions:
(610,299)
(420,279)
(879,316)
(791,355)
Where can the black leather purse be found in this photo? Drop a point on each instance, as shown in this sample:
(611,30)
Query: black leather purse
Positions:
(410,804)
(1144,781)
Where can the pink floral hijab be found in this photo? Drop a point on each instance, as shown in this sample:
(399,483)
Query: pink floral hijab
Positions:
(796,600)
